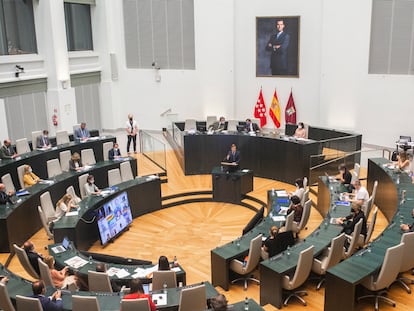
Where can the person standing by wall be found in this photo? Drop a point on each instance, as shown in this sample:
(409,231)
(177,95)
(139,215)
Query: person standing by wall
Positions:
(132,130)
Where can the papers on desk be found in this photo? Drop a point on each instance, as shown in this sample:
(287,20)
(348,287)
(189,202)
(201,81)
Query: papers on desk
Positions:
(343,203)
(333,221)
(74,213)
(151,177)
(143,273)
(245,170)
(22,192)
(85,168)
(279,218)
(76,262)
(282,193)
(105,192)
(46,182)
(176,269)
(120,273)
(159,299)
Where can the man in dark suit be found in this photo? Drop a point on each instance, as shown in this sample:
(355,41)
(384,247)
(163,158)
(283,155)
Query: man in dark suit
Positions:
(114,153)
(43,140)
(52,303)
(219,126)
(351,220)
(7,151)
(233,157)
(29,248)
(82,132)
(278,44)
(250,126)
(4,196)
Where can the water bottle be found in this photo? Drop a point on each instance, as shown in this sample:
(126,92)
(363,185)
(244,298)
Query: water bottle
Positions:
(246,303)
(238,242)
(175,261)
(288,251)
(164,286)
(90,260)
(273,191)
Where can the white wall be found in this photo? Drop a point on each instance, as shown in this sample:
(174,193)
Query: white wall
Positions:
(208,90)
(378,106)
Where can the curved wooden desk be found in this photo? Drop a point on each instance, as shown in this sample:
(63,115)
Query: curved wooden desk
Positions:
(20,221)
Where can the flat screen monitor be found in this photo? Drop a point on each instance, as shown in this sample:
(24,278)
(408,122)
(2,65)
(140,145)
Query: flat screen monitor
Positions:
(113,217)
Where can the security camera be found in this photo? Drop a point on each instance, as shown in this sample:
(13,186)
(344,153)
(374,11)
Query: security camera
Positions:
(155,65)
(19,70)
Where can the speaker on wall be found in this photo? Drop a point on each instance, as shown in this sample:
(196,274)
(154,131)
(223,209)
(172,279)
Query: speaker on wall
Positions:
(114,67)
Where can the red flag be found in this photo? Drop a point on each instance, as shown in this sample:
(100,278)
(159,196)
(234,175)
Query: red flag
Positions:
(260,109)
(274,110)
(290,110)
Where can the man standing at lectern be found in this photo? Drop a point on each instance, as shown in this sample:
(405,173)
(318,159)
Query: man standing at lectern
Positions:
(233,156)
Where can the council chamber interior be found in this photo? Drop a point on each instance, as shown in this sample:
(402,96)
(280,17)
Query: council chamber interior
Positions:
(177,67)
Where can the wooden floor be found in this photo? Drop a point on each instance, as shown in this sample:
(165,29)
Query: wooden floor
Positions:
(190,231)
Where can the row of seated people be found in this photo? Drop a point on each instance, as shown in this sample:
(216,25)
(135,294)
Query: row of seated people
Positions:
(98,281)
(191,299)
(28,178)
(41,140)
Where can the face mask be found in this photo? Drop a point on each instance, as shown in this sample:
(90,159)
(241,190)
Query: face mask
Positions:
(92,181)
(30,170)
(115,149)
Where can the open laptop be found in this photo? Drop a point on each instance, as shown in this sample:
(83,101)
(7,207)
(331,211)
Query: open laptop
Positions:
(63,247)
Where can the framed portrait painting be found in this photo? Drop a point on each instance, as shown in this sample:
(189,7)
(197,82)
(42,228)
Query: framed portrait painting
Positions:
(277,46)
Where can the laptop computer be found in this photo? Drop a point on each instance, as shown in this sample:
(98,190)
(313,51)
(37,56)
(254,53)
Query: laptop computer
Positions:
(63,247)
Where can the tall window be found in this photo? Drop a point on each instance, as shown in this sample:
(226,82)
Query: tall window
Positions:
(392,37)
(17,29)
(159,31)
(78,26)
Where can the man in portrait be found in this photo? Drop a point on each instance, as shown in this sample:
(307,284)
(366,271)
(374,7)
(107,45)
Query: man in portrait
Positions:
(278,46)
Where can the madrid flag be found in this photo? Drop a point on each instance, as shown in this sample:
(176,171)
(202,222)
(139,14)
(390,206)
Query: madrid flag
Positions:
(260,110)
(290,110)
(274,110)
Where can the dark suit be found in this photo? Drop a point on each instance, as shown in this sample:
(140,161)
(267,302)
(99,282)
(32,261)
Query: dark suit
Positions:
(42,141)
(33,256)
(217,126)
(48,304)
(251,127)
(112,153)
(4,198)
(350,224)
(6,152)
(279,243)
(81,133)
(233,158)
(279,57)
(72,165)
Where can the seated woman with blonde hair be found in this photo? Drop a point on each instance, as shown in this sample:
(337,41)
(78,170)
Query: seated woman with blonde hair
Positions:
(64,206)
(75,163)
(29,178)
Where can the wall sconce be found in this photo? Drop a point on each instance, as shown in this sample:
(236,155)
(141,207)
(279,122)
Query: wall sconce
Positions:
(157,71)
(18,71)
(65,84)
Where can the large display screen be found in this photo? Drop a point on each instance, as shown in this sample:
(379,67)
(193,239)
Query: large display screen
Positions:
(114,217)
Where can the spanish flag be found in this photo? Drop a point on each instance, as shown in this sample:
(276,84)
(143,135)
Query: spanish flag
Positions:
(274,110)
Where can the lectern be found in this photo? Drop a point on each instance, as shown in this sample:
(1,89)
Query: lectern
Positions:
(229,186)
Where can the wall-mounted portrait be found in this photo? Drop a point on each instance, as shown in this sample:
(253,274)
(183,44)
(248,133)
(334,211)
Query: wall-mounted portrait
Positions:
(277,46)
